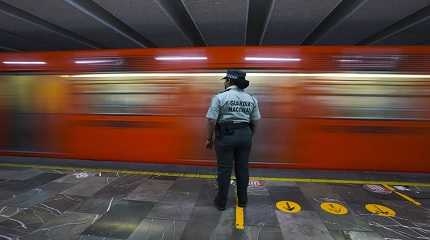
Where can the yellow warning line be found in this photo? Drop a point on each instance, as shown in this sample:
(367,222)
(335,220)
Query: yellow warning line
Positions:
(403,195)
(240,220)
(341,181)
(212,176)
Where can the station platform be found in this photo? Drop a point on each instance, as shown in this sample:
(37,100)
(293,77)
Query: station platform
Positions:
(66,199)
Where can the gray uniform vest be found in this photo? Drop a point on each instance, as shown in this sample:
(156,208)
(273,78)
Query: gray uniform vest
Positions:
(233,105)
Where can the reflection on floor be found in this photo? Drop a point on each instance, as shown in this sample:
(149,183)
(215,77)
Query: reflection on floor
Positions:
(58,204)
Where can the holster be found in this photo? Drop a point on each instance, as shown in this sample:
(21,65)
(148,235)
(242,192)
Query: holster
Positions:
(227,128)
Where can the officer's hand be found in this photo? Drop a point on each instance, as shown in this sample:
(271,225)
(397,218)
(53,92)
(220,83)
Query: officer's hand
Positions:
(209,144)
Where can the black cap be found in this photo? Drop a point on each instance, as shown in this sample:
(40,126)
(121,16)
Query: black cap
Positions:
(235,75)
(238,78)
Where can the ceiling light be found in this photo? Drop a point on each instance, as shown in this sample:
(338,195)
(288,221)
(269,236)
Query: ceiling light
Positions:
(24,62)
(349,60)
(273,59)
(179,58)
(93,61)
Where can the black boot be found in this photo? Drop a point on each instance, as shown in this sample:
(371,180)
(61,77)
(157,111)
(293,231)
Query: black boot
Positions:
(242,205)
(242,199)
(218,205)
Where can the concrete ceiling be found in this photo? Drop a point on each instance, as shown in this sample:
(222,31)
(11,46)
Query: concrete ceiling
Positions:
(29,25)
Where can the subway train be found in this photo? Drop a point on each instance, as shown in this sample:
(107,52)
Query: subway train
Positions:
(331,107)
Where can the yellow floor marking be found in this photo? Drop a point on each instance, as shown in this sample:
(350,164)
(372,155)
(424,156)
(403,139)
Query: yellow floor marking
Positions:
(334,208)
(380,210)
(240,221)
(288,206)
(402,195)
(341,181)
(212,176)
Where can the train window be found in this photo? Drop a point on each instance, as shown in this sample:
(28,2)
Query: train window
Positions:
(365,107)
(370,99)
(124,98)
(5,96)
(33,94)
(31,107)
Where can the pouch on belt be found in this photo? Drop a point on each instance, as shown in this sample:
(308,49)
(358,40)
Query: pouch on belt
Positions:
(227,128)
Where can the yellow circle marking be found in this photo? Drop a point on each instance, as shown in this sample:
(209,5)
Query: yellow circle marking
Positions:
(334,208)
(380,210)
(288,206)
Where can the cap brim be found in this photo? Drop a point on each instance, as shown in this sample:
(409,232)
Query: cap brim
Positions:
(236,79)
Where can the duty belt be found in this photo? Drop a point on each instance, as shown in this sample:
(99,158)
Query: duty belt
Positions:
(231,125)
(227,128)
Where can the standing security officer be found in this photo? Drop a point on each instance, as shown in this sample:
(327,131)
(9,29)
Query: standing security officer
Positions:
(233,116)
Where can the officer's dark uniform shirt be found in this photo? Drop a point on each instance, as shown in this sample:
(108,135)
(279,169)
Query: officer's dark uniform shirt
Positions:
(233,105)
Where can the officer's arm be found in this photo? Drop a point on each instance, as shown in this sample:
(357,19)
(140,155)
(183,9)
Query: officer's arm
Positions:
(255,116)
(254,126)
(211,128)
(212,117)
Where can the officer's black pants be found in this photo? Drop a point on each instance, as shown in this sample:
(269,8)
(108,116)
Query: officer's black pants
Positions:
(235,149)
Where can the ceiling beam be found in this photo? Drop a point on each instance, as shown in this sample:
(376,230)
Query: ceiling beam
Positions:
(177,11)
(95,11)
(29,18)
(399,26)
(342,11)
(259,14)
(22,43)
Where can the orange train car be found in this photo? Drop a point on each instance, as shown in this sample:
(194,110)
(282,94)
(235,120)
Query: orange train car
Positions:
(345,107)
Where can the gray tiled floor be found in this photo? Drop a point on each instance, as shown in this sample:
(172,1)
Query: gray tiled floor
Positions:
(66,205)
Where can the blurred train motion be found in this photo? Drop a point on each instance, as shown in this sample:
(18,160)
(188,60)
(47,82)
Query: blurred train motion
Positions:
(361,108)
